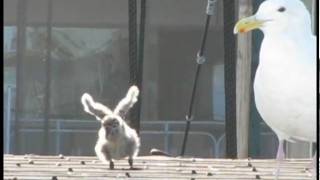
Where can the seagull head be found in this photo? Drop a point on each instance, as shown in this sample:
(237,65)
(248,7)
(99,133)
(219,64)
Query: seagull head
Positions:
(277,16)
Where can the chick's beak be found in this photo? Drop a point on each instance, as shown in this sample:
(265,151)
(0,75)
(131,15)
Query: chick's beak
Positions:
(247,24)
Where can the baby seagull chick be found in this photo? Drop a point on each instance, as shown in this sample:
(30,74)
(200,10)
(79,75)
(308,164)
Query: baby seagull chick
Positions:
(116,139)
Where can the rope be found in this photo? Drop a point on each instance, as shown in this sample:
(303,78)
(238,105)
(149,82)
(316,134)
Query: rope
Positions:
(230,78)
(200,60)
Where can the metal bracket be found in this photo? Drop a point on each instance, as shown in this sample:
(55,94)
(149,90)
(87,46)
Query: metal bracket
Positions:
(200,59)
(189,118)
(210,7)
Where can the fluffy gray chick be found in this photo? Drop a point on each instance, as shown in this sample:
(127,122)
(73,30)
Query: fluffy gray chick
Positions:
(116,139)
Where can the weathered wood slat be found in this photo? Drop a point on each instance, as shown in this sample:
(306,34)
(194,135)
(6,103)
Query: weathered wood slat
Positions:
(150,167)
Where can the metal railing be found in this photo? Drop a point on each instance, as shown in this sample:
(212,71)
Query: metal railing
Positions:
(57,127)
(215,142)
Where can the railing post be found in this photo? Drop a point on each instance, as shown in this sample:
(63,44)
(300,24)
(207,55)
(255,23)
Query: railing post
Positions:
(166,137)
(8,120)
(58,128)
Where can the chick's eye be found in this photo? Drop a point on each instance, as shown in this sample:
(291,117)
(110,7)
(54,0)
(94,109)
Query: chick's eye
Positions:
(282,9)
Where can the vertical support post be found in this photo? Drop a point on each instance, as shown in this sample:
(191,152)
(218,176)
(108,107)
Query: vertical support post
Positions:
(135,57)
(58,138)
(230,78)
(21,43)
(8,120)
(166,137)
(243,82)
(132,29)
(140,60)
(48,81)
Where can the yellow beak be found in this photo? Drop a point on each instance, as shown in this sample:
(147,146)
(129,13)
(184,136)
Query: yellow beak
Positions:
(247,24)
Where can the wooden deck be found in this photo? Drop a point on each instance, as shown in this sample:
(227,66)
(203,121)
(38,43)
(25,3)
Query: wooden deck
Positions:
(37,167)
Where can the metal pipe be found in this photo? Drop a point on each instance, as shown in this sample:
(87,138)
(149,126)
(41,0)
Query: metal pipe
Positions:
(133,61)
(8,120)
(230,78)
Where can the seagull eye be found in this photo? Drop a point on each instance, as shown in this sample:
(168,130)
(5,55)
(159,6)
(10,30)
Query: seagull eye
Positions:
(282,9)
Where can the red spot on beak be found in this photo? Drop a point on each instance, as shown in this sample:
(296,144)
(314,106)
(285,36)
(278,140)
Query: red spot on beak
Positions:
(242,30)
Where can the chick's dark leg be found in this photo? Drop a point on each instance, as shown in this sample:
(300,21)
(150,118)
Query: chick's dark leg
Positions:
(107,156)
(104,155)
(130,161)
(111,164)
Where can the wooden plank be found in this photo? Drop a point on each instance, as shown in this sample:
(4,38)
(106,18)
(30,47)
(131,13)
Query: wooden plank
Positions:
(244,58)
(150,167)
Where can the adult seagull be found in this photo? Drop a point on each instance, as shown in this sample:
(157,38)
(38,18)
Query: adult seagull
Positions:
(285,80)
